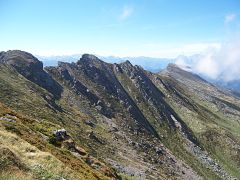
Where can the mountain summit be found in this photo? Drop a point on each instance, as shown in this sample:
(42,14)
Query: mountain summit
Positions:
(97,120)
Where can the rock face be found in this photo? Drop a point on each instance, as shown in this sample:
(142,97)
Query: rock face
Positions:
(32,69)
(60,134)
(90,72)
(170,125)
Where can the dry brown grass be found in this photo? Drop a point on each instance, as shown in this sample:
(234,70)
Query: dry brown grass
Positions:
(24,153)
(42,158)
(15,175)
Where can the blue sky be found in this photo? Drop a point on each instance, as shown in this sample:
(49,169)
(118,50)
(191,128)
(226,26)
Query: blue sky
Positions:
(156,28)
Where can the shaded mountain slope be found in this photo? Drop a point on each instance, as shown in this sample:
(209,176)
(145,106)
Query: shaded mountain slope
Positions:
(32,69)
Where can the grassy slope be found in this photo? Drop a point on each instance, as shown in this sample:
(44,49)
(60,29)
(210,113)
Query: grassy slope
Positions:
(28,98)
(119,143)
(41,158)
(171,139)
(43,119)
(217,133)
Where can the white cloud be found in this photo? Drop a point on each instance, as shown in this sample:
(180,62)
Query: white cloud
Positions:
(126,12)
(229,18)
(222,64)
(208,66)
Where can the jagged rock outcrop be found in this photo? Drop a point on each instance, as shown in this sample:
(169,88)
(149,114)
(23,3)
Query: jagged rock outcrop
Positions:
(153,97)
(32,69)
(93,79)
(65,141)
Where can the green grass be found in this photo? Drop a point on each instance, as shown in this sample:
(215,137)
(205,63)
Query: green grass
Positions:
(212,128)
(170,139)
(28,99)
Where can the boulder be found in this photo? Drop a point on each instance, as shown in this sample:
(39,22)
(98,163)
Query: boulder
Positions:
(60,134)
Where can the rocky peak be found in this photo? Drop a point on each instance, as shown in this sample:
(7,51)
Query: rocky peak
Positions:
(90,60)
(12,53)
(89,57)
(173,67)
(21,60)
(181,73)
(32,69)
(127,64)
(128,68)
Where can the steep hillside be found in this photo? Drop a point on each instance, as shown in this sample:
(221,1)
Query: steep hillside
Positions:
(92,119)
(212,114)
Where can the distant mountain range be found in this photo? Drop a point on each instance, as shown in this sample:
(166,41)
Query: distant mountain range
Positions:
(149,63)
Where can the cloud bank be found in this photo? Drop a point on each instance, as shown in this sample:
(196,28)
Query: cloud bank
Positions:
(219,64)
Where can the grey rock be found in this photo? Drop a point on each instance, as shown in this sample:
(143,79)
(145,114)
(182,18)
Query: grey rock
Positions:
(60,134)
(90,123)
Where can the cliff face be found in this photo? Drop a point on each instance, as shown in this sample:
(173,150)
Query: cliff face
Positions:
(122,120)
(32,69)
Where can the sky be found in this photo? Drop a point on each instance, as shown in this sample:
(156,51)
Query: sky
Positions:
(154,28)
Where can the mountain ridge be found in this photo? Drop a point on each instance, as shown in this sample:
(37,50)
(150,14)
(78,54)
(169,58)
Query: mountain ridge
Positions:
(138,123)
(154,65)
